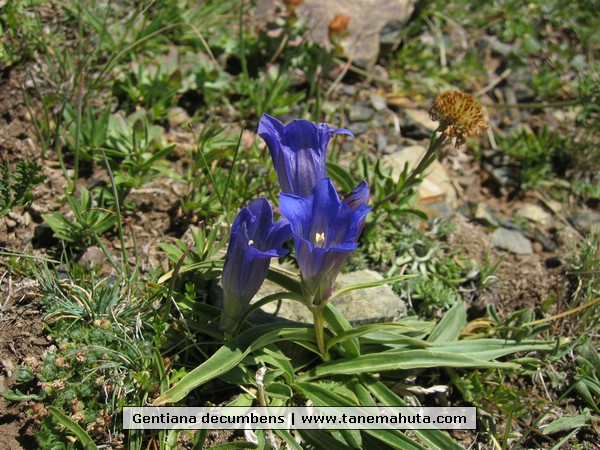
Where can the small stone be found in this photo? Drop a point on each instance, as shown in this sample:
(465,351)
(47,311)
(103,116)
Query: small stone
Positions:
(501,176)
(177,116)
(547,243)
(381,142)
(359,128)
(483,214)
(378,102)
(392,148)
(420,119)
(10,223)
(533,213)
(92,258)
(586,221)
(360,112)
(512,240)
(348,90)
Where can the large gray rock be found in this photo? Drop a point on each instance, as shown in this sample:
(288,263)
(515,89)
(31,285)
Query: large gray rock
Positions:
(373,305)
(368,22)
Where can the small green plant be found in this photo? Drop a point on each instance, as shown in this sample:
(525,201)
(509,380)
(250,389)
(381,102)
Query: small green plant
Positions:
(106,356)
(534,155)
(89,220)
(15,188)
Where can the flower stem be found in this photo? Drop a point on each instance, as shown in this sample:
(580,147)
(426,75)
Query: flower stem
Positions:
(320,332)
(435,144)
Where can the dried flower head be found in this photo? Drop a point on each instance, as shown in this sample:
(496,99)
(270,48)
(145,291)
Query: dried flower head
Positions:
(460,115)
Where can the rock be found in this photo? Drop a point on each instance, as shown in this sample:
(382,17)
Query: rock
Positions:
(359,128)
(417,122)
(483,214)
(381,142)
(360,112)
(373,305)
(586,221)
(93,257)
(177,116)
(367,19)
(378,102)
(512,240)
(436,186)
(533,213)
(547,243)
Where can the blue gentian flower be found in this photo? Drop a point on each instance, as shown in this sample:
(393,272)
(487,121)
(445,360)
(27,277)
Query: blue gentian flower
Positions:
(325,231)
(298,152)
(255,239)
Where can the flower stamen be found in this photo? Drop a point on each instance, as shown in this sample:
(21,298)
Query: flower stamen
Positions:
(320,239)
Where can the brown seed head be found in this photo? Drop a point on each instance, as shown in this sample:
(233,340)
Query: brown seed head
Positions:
(460,115)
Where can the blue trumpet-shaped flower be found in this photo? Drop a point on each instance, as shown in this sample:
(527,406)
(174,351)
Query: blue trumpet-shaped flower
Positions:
(325,232)
(255,239)
(298,152)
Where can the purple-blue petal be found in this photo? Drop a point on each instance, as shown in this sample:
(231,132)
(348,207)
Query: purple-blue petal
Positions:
(255,239)
(325,231)
(358,196)
(298,151)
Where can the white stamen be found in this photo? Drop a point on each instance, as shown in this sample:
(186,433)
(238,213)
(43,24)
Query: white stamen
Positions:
(250,242)
(319,239)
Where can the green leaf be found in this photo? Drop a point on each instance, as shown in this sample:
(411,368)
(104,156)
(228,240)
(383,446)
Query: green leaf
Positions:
(287,437)
(231,354)
(394,334)
(396,439)
(448,329)
(340,325)
(341,176)
(399,360)
(320,440)
(85,440)
(18,396)
(568,423)
(435,439)
(487,349)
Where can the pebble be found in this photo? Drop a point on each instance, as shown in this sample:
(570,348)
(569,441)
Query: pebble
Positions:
(177,116)
(381,142)
(547,243)
(419,120)
(359,128)
(92,258)
(484,215)
(586,221)
(378,102)
(512,240)
(533,213)
(360,112)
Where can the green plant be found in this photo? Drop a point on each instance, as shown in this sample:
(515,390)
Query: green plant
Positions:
(15,188)
(88,223)
(106,356)
(135,150)
(534,154)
